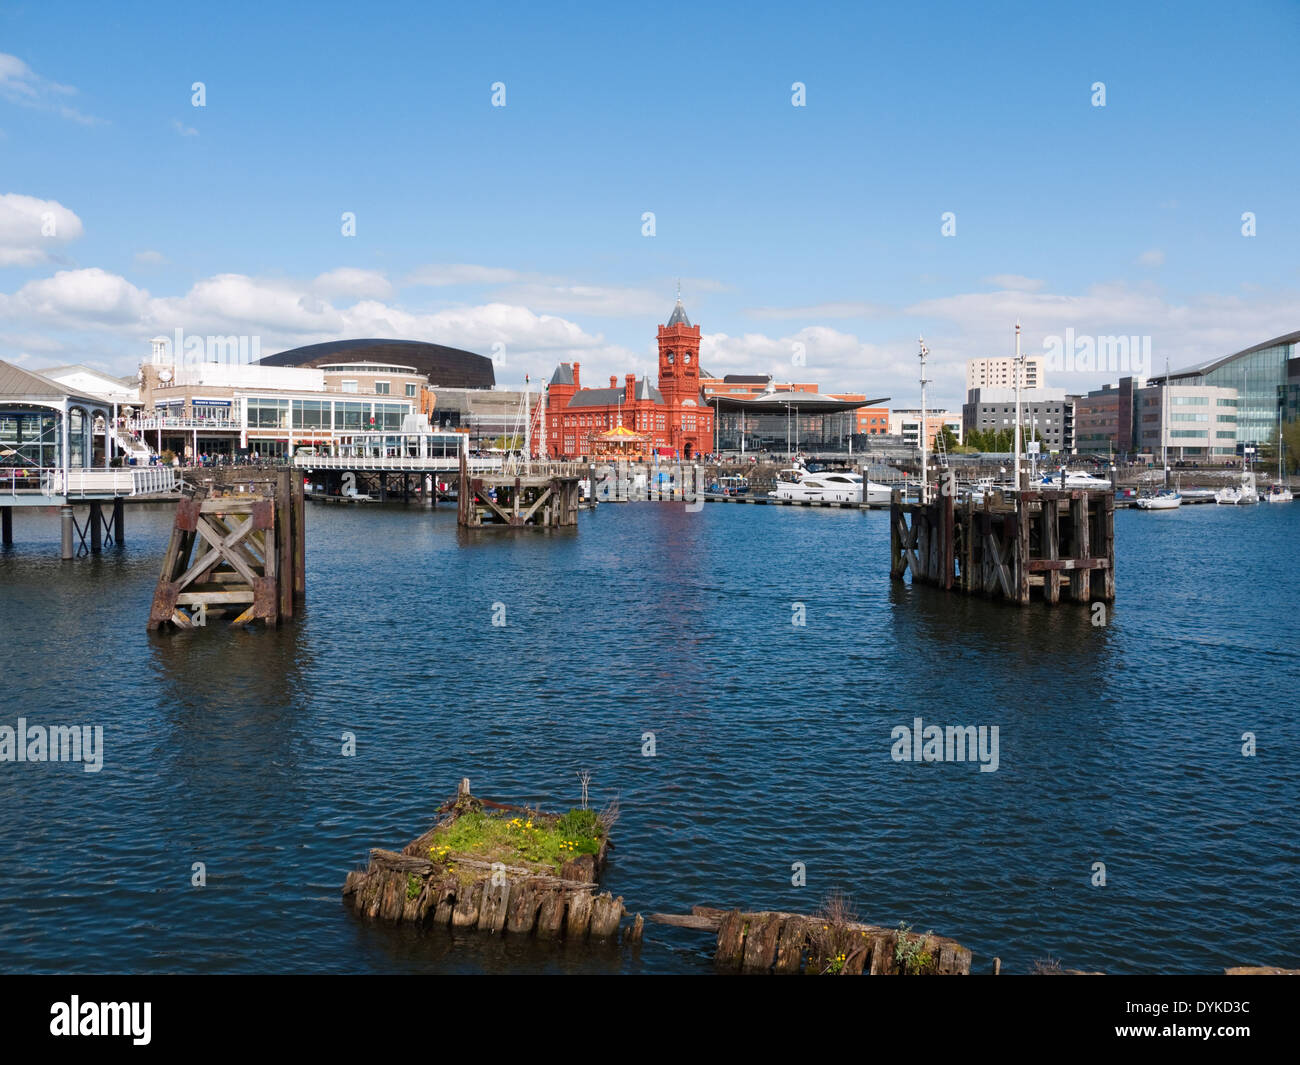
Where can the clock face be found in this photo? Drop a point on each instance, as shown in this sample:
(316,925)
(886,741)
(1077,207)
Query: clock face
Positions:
(688,357)
(671,358)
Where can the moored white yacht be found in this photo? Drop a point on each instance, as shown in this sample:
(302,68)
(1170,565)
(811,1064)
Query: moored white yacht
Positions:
(1166,500)
(1241,495)
(1077,479)
(833,486)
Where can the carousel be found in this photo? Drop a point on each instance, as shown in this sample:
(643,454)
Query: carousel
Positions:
(620,444)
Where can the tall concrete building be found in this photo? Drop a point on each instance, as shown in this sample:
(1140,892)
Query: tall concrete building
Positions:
(1048,410)
(1001,372)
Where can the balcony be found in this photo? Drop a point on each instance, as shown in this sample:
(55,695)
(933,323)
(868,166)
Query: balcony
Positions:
(167,421)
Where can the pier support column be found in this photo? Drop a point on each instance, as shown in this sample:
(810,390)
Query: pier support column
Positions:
(383,488)
(96,519)
(65,521)
(119,521)
(7,526)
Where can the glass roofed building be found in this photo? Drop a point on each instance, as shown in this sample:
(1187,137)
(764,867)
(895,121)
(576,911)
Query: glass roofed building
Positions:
(1259,374)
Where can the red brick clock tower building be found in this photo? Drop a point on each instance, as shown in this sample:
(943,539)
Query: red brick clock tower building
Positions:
(679,383)
(674,418)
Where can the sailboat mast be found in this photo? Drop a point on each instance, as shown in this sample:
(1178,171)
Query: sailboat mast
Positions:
(1016,442)
(925,482)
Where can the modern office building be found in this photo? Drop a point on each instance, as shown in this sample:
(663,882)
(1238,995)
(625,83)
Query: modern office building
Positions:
(1103,420)
(1260,377)
(1291,390)
(1200,421)
(906,425)
(1049,411)
(1001,372)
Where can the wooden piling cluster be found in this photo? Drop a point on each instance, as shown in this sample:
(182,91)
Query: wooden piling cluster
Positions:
(247,541)
(462,891)
(784,943)
(548,500)
(1035,544)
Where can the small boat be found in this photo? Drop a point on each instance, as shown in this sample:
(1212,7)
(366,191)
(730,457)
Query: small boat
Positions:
(730,486)
(1190,494)
(1166,500)
(1242,495)
(1278,493)
(1076,479)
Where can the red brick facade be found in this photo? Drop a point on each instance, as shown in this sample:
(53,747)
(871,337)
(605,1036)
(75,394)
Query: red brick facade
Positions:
(674,416)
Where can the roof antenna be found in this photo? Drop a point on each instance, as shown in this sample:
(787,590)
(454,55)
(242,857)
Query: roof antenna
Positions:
(679,290)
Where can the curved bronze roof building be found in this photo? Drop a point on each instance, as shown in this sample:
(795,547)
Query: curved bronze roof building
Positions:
(445,367)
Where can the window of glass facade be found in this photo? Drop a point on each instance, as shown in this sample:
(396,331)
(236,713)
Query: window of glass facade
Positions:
(1256,377)
(31,436)
(353,416)
(268,413)
(389,415)
(381,388)
(311,413)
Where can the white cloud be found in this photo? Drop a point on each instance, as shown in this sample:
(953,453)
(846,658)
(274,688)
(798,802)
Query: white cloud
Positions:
(845,309)
(77,297)
(21,85)
(1015,282)
(983,323)
(149,257)
(438,275)
(184,130)
(31,229)
(116,318)
(835,361)
(602,301)
(1154,257)
(353,282)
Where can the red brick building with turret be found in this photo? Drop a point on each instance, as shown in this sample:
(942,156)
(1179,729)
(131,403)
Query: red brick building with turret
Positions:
(674,418)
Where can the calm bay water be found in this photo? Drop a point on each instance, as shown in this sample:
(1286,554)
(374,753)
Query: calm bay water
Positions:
(1119,744)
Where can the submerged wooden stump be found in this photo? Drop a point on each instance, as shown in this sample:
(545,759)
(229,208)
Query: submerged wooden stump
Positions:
(770,941)
(431,886)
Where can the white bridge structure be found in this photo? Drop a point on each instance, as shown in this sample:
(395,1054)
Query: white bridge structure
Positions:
(414,450)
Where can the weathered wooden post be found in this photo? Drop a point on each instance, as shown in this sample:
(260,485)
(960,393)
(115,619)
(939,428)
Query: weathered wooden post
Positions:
(1022,549)
(1106,590)
(284,541)
(1051,536)
(95,519)
(1080,579)
(897,562)
(948,502)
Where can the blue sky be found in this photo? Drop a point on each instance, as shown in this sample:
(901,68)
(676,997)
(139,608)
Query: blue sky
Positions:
(522,225)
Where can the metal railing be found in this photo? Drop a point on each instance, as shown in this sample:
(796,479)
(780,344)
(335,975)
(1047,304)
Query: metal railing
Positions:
(58,483)
(168,421)
(408,463)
